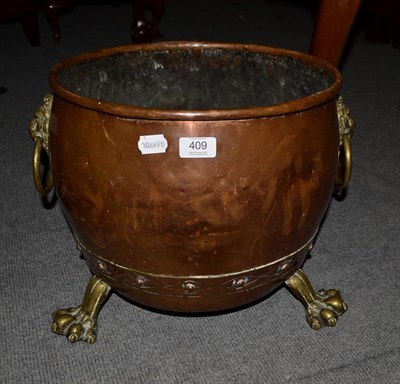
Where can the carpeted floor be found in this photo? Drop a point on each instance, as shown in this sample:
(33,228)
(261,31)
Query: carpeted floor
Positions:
(357,249)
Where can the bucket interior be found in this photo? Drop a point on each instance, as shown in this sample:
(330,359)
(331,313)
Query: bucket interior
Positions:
(194,79)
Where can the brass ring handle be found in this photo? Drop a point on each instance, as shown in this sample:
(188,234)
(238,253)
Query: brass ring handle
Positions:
(343,180)
(39,131)
(346,130)
(347,162)
(37,175)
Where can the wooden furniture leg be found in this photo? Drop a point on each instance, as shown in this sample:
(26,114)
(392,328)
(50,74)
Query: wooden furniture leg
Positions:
(30,25)
(53,10)
(143,31)
(332,27)
(25,11)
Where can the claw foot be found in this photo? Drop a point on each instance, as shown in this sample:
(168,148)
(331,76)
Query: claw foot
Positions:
(326,309)
(75,324)
(80,323)
(323,307)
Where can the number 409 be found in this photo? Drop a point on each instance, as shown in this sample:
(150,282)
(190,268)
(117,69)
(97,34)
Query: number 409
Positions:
(198,145)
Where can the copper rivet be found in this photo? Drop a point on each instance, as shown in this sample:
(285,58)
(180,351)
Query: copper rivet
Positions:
(239,283)
(140,280)
(101,266)
(283,267)
(189,286)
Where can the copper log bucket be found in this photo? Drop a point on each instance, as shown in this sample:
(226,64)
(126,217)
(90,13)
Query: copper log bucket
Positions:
(194,175)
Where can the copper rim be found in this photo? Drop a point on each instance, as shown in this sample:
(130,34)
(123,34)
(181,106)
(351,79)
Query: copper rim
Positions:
(131,111)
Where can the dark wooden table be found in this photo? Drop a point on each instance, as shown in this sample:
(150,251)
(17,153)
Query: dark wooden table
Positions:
(332,27)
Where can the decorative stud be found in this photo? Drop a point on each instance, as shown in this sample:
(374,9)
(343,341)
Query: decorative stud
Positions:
(101,265)
(189,287)
(284,266)
(240,283)
(141,281)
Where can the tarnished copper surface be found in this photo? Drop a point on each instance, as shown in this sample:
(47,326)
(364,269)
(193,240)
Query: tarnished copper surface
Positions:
(195,234)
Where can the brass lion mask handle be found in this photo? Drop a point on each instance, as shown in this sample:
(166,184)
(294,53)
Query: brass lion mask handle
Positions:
(39,130)
(346,130)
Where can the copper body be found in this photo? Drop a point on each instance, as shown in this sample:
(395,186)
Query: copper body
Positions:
(194,234)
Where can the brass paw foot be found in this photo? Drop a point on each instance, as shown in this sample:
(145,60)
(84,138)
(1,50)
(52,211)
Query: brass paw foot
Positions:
(80,323)
(323,307)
